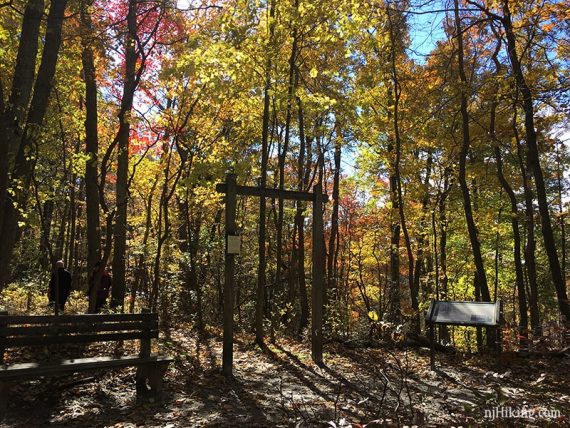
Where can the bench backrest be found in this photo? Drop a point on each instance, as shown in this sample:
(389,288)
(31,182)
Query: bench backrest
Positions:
(40,330)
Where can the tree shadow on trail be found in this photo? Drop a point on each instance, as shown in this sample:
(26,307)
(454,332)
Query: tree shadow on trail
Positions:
(254,411)
(309,378)
(333,373)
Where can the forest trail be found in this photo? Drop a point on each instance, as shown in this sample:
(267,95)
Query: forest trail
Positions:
(282,387)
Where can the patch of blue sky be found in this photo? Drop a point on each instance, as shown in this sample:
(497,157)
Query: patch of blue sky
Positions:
(425,21)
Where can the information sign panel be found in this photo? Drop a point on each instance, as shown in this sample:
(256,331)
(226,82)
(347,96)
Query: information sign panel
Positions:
(464,313)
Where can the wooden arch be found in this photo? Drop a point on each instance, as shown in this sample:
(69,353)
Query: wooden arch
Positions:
(231,190)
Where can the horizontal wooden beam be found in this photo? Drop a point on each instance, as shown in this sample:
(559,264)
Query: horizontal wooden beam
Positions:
(62,329)
(9,342)
(76,319)
(271,193)
(48,368)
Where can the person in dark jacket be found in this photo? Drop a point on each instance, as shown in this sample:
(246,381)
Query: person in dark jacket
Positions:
(102,281)
(60,283)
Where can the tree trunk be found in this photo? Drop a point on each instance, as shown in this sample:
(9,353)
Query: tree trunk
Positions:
(303,183)
(331,268)
(523,325)
(561,214)
(24,71)
(46,233)
(393,313)
(120,227)
(141,277)
(24,163)
(277,286)
(397,91)
(534,163)
(91,139)
(422,236)
(530,247)
(14,113)
(480,277)
(261,275)
(442,214)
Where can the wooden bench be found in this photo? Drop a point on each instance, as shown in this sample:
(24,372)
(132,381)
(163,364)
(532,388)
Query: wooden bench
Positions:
(27,330)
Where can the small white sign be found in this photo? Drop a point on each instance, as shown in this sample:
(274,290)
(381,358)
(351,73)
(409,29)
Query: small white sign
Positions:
(233,244)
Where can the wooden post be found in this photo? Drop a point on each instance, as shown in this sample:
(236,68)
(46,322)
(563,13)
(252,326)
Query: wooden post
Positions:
(2,334)
(318,277)
(3,385)
(228,352)
(144,350)
(56,290)
(429,321)
(4,390)
(499,334)
(431,347)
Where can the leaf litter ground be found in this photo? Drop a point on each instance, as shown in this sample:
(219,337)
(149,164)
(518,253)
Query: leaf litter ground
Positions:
(279,386)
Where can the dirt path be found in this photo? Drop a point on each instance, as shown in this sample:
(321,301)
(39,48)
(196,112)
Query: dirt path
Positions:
(281,387)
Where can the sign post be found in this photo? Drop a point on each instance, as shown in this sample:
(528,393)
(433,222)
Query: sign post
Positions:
(318,278)
(229,277)
(471,314)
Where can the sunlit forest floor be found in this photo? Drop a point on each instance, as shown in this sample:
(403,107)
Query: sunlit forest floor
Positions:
(280,386)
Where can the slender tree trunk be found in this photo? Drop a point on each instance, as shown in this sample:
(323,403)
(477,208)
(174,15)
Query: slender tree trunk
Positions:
(91,139)
(194,275)
(261,275)
(141,276)
(394,314)
(331,268)
(46,233)
(162,229)
(72,223)
(4,164)
(282,157)
(480,277)
(422,236)
(442,214)
(394,311)
(120,227)
(519,275)
(397,175)
(164,223)
(536,169)
(561,214)
(530,247)
(302,184)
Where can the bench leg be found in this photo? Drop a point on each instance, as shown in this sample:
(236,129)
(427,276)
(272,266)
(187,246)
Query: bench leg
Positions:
(142,376)
(3,399)
(155,379)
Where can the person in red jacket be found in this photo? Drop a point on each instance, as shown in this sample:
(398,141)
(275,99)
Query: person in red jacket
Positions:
(102,281)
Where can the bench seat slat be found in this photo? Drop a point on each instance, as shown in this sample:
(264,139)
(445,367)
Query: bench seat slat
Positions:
(33,330)
(75,319)
(25,370)
(78,338)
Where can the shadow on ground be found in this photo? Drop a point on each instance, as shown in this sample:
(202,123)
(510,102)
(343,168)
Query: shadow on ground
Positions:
(278,385)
